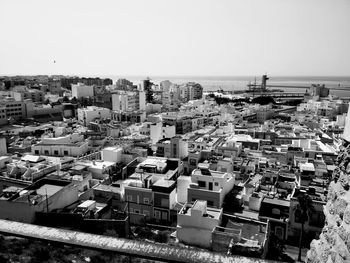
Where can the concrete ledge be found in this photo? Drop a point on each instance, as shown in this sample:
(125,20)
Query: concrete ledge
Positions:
(122,246)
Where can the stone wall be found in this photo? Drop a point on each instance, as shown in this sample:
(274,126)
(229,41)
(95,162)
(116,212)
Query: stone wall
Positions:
(333,244)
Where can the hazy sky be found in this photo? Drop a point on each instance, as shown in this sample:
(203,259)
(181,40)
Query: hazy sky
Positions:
(180,37)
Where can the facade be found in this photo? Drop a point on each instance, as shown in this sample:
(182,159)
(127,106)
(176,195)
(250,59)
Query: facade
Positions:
(10,108)
(102,97)
(112,154)
(160,131)
(88,114)
(128,101)
(71,145)
(175,147)
(31,94)
(191,91)
(44,195)
(164,200)
(129,116)
(3,146)
(196,222)
(211,186)
(81,90)
(139,197)
(276,211)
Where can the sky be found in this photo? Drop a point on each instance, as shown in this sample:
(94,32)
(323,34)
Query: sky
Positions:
(175,38)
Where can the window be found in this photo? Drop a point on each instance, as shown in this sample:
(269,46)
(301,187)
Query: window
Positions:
(146,200)
(36,151)
(279,232)
(216,184)
(46,152)
(210,203)
(276,211)
(129,198)
(157,214)
(146,213)
(298,215)
(136,211)
(202,184)
(164,202)
(65,152)
(193,162)
(55,152)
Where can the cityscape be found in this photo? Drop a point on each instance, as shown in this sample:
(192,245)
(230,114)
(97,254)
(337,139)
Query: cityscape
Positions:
(208,157)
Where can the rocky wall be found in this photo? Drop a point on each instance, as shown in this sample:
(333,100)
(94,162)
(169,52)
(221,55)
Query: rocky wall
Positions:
(333,244)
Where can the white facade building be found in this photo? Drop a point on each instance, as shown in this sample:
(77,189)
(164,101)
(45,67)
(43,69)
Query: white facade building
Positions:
(210,185)
(81,90)
(346,135)
(196,222)
(158,131)
(86,115)
(112,154)
(71,145)
(129,100)
(3,147)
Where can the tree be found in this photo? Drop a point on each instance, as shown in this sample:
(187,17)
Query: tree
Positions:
(65,99)
(74,100)
(303,211)
(147,86)
(276,247)
(264,100)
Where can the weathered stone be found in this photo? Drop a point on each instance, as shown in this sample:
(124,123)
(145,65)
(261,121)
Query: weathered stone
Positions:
(339,206)
(334,241)
(346,216)
(344,180)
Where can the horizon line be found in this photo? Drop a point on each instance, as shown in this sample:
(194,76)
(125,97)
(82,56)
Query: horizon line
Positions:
(169,75)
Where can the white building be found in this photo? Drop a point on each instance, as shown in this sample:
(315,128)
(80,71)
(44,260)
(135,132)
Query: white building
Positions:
(346,135)
(159,131)
(71,145)
(81,90)
(196,222)
(129,100)
(209,185)
(183,183)
(86,115)
(3,147)
(99,169)
(112,154)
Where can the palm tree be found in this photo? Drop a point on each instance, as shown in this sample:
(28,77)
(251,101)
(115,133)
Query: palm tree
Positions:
(303,211)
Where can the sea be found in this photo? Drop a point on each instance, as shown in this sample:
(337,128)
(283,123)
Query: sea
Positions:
(235,83)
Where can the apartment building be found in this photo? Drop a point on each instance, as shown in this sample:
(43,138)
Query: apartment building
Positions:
(81,90)
(211,186)
(23,93)
(175,147)
(88,114)
(10,108)
(128,100)
(164,200)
